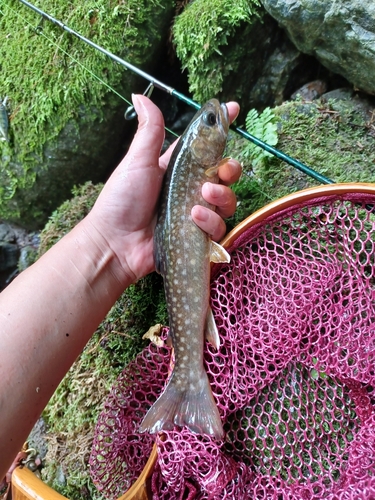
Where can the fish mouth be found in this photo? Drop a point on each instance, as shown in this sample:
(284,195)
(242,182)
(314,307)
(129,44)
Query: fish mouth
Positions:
(225,117)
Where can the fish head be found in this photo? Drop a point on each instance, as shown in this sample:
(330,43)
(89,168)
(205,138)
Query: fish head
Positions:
(209,129)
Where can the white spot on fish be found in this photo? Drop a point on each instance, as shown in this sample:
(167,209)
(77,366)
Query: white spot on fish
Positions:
(193,262)
(188,332)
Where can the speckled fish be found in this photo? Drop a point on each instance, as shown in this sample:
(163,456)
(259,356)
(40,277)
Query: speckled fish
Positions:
(4,121)
(182,255)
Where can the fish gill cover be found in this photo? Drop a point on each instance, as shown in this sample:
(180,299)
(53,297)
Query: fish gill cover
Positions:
(293,378)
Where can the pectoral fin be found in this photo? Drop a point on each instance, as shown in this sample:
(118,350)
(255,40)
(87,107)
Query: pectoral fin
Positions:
(218,253)
(211,332)
(212,171)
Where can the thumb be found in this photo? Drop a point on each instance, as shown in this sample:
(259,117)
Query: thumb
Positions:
(149,138)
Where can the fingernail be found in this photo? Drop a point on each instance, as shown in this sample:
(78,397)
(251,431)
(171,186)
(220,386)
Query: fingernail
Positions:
(200,213)
(135,99)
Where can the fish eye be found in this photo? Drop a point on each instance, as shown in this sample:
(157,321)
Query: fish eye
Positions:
(210,119)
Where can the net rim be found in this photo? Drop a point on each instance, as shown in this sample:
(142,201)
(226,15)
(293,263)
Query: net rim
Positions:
(292,199)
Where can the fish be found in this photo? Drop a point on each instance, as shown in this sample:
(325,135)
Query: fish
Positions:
(4,121)
(182,254)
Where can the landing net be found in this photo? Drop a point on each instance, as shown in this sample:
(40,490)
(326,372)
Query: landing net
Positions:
(294,377)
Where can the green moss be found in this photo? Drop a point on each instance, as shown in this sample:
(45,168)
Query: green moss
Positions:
(337,139)
(69,214)
(202,32)
(72,412)
(48,74)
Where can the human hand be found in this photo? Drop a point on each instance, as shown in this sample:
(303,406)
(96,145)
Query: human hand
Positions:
(125,212)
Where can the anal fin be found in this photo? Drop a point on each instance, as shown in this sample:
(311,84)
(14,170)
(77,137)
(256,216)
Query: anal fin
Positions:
(211,331)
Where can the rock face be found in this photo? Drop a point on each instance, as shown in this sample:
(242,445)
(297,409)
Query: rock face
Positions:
(340,34)
(66,107)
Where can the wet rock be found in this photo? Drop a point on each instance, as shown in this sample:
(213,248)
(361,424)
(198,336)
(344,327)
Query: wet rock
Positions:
(262,58)
(18,250)
(28,255)
(37,438)
(9,254)
(60,476)
(311,90)
(7,233)
(340,34)
(342,94)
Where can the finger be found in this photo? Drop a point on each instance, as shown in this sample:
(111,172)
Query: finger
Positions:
(148,140)
(233,110)
(222,197)
(209,221)
(129,182)
(229,172)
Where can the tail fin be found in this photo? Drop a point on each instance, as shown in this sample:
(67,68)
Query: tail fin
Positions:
(195,410)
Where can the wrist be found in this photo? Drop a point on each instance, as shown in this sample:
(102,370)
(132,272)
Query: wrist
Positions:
(97,259)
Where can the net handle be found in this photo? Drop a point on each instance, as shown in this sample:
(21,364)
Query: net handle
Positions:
(297,198)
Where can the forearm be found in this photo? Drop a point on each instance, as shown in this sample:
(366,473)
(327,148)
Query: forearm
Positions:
(47,315)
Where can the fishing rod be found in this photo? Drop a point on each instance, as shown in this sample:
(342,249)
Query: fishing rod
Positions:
(170,90)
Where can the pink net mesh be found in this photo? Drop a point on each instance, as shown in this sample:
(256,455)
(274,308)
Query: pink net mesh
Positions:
(293,379)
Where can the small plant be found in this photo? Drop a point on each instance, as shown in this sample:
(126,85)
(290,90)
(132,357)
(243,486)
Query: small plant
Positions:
(264,127)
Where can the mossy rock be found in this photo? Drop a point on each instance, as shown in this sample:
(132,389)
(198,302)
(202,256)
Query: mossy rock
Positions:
(335,137)
(66,100)
(235,51)
(72,413)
